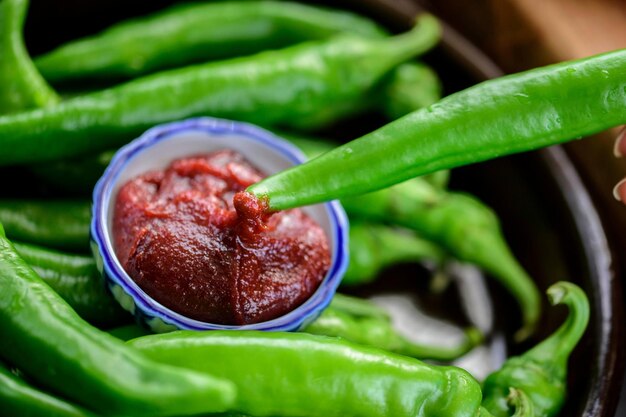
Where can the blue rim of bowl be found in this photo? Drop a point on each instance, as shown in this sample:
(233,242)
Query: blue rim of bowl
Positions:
(113,270)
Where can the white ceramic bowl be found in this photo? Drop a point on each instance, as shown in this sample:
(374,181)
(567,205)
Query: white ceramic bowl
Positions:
(155,149)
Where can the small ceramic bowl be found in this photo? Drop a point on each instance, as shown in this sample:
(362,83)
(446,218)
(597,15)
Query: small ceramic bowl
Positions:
(155,149)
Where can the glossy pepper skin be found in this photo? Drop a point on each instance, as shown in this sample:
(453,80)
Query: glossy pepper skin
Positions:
(21,85)
(288,85)
(377,331)
(408,87)
(516,113)
(49,342)
(192,33)
(62,224)
(541,372)
(19,399)
(306,375)
(77,280)
(461,224)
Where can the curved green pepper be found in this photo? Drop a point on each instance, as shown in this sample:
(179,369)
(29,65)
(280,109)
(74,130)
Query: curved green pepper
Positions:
(77,280)
(289,85)
(62,224)
(46,339)
(287,374)
(461,224)
(516,113)
(21,85)
(541,372)
(192,33)
(19,399)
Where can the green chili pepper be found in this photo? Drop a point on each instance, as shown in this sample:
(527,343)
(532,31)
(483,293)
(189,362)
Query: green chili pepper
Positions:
(314,147)
(541,372)
(286,374)
(462,225)
(21,85)
(289,85)
(197,32)
(62,224)
(77,280)
(410,86)
(374,247)
(19,399)
(47,340)
(516,113)
(379,332)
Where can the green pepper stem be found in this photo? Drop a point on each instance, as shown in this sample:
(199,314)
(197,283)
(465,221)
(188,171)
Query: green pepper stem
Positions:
(541,372)
(558,347)
(521,403)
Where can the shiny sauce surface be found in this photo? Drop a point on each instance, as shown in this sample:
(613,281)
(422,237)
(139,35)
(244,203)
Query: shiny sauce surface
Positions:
(196,242)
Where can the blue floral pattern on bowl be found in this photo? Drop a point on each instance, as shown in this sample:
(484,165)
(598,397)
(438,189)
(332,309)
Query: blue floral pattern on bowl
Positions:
(154,150)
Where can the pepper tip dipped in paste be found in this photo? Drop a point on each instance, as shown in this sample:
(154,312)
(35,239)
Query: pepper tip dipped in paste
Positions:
(196,242)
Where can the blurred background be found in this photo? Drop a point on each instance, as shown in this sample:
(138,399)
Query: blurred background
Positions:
(515,34)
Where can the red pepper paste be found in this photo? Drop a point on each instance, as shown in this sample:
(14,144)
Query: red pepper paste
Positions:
(196,242)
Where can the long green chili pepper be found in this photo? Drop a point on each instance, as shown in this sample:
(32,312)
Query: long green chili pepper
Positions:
(47,340)
(289,85)
(77,280)
(19,399)
(409,86)
(541,372)
(21,85)
(287,374)
(314,147)
(194,33)
(53,223)
(379,332)
(374,247)
(462,225)
(516,113)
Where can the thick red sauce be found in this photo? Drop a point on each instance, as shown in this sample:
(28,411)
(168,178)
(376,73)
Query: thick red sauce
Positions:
(195,241)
